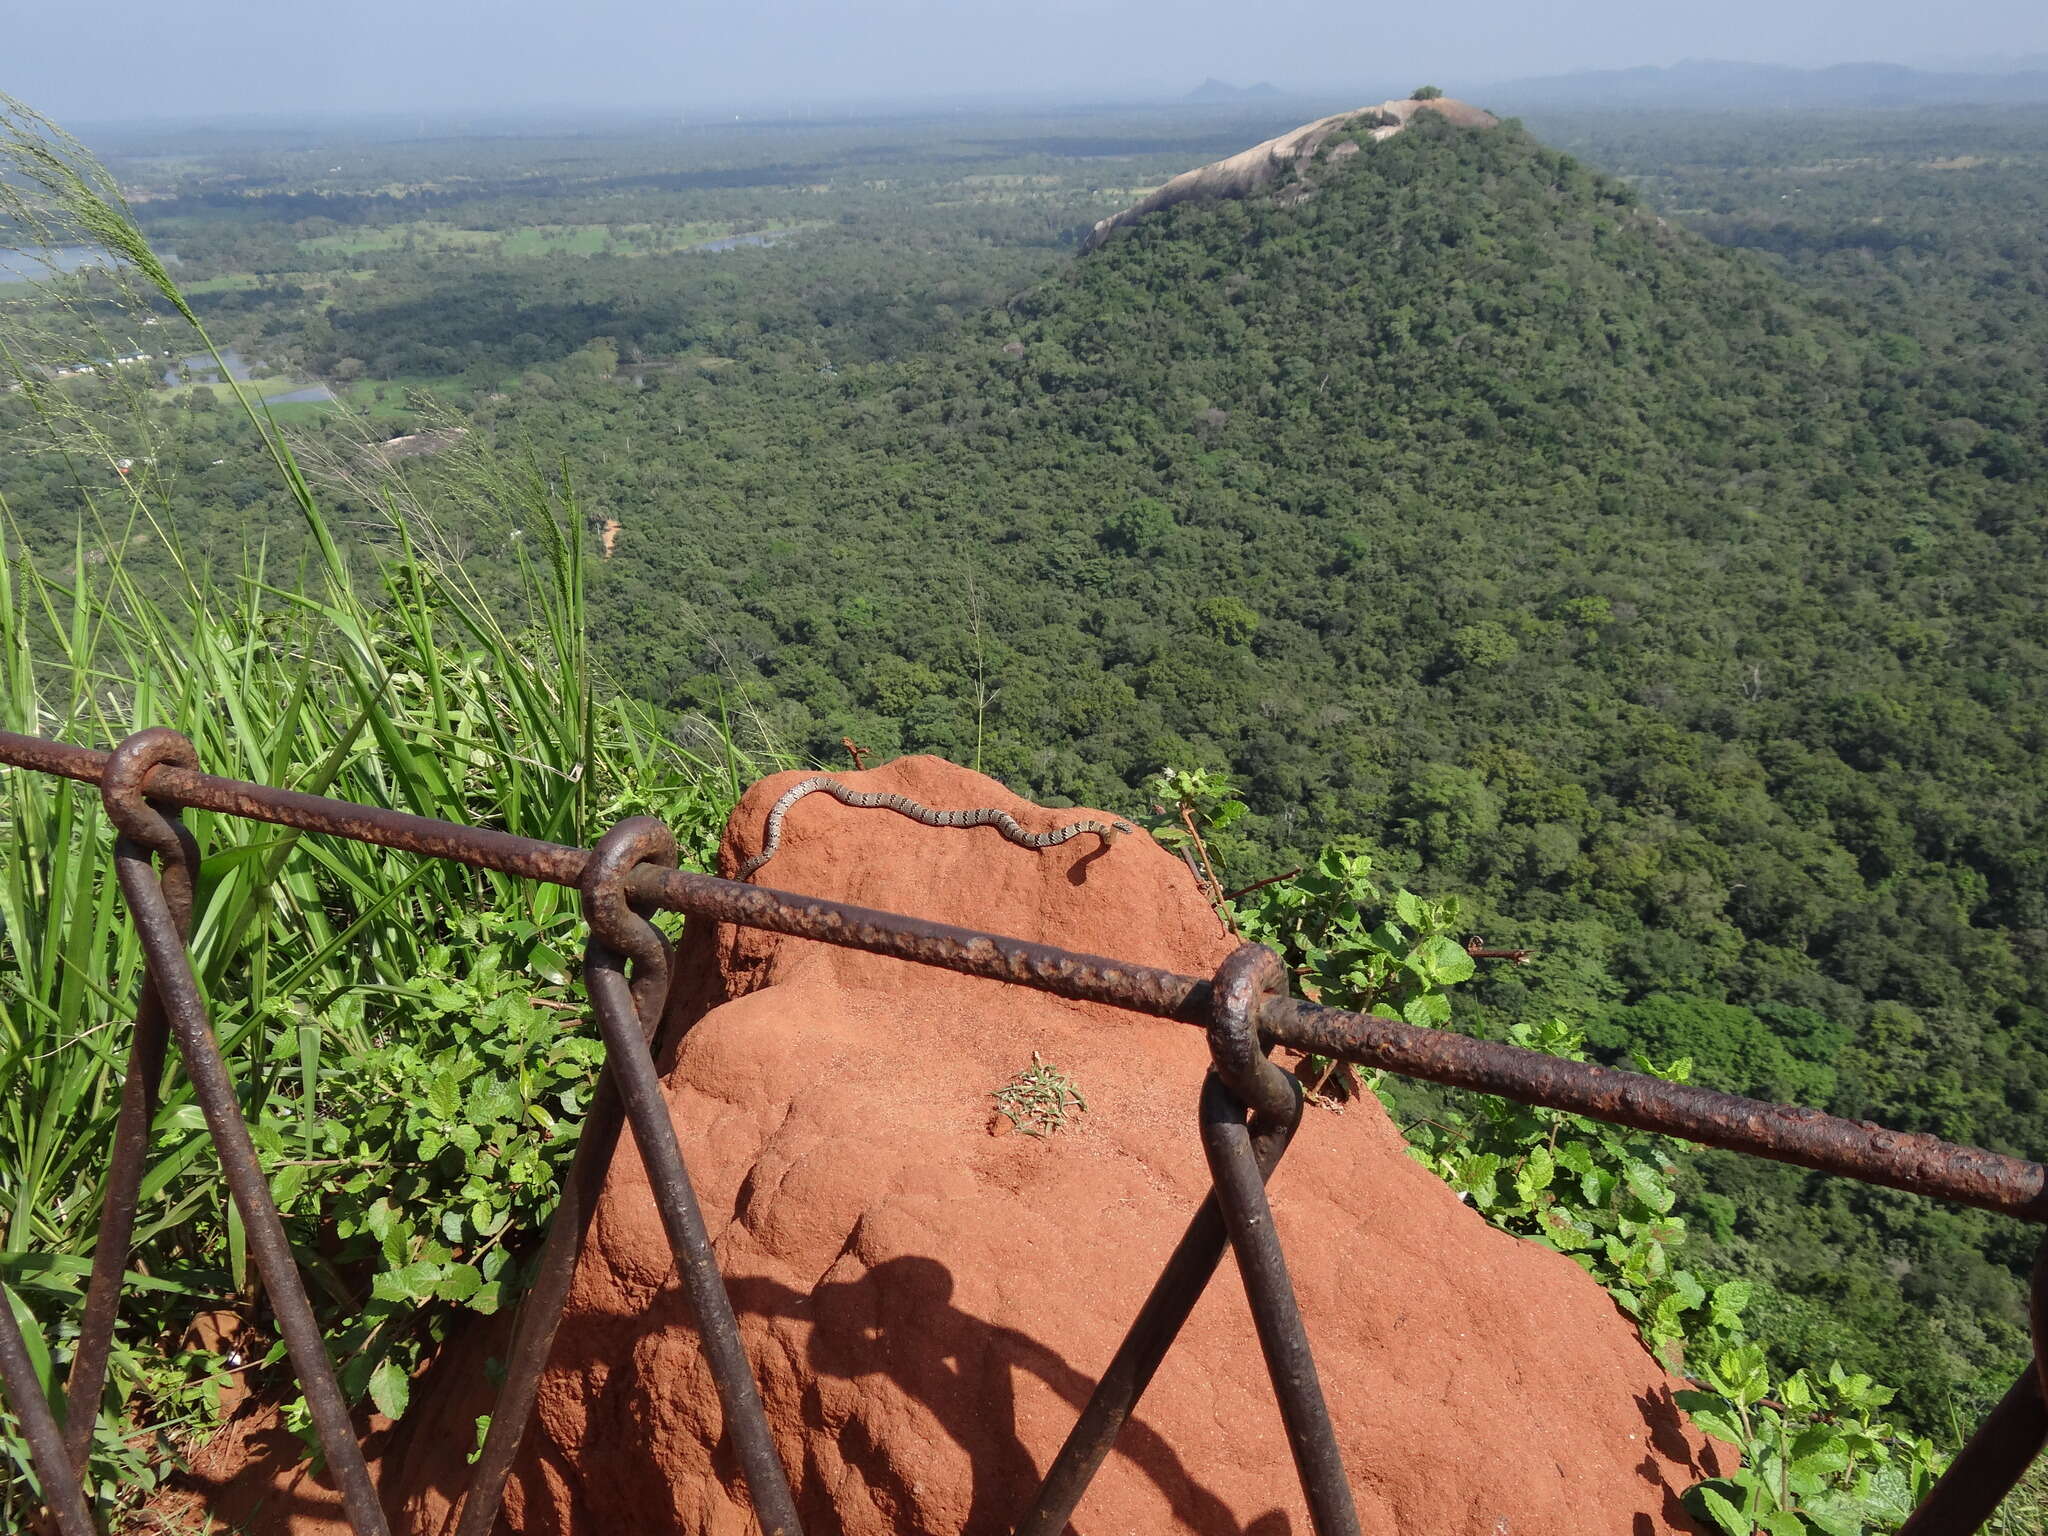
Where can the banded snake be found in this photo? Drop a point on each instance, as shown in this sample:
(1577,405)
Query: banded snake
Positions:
(860,800)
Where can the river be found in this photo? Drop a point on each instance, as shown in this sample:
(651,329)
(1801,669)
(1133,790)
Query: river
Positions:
(204,370)
(17,266)
(41,263)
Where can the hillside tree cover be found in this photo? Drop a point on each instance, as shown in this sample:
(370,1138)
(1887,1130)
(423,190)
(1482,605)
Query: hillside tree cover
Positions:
(1470,508)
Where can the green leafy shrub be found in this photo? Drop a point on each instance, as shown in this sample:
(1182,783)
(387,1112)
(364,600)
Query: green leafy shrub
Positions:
(1356,946)
(1599,1193)
(1816,1458)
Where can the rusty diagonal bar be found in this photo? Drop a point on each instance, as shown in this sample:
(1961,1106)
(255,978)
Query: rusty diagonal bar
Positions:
(1241,1079)
(1242,1027)
(139,1089)
(1130,1371)
(616,934)
(2004,1445)
(46,1453)
(146,830)
(1275,1117)
(540,1311)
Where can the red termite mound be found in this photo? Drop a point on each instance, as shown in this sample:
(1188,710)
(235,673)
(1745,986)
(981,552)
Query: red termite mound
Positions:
(927,1300)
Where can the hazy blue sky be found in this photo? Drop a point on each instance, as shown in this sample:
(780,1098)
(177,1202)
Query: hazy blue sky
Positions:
(135,58)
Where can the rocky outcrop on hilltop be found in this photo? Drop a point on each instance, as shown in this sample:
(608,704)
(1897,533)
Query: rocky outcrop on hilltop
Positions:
(928,1295)
(1262,165)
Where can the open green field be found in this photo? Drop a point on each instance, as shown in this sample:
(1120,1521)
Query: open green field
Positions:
(228,282)
(311,282)
(527,241)
(376,400)
(261,389)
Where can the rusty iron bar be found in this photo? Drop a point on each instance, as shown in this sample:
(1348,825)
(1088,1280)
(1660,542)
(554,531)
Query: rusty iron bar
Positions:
(1243,1078)
(1189,1269)
(1998,1453)
(139,1091)
(1986,1469)
(540,1312)
(1903,1160)
(1283,1337)
(146,831)
(627,1015)
(62,1492)
(125,1166)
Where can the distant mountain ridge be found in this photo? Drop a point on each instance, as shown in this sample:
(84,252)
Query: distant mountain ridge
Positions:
(1728,83)
(1213,89)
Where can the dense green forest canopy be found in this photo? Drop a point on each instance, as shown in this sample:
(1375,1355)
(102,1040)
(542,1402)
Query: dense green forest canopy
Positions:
(1651,556)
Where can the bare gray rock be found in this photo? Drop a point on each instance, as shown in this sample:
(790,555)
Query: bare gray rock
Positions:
(1253,169)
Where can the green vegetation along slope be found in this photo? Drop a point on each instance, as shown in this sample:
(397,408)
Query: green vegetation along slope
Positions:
(1452,500)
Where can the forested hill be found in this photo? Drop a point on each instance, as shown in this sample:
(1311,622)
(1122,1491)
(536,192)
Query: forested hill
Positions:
(1453,500)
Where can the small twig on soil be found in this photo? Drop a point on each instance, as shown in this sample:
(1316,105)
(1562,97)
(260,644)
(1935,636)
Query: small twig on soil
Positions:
(1350,1082)
(859,754)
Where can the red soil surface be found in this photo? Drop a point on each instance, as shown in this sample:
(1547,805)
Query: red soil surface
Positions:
(927,1303)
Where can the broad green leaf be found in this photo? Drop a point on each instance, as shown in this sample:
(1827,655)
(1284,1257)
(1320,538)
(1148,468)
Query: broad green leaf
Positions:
(1711,1416)
(1535,1174)
(390,1389)
(444,1096)
(1648,1186)
(491,1098)
(1445,961)
(381,1220)
(1725,1515)
(1426,1010)
(286,1184)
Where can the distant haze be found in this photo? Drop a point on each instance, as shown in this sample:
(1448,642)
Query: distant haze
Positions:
(118,60)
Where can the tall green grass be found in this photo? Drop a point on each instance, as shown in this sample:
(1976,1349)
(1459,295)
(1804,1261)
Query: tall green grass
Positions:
(376,1008)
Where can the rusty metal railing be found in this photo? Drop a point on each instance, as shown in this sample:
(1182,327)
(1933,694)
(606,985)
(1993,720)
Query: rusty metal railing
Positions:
(1249,1111)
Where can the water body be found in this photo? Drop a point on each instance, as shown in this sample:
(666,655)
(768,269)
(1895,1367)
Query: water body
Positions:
(734,242)
(18,266)
(205,371)
(312,394)
(46,262)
